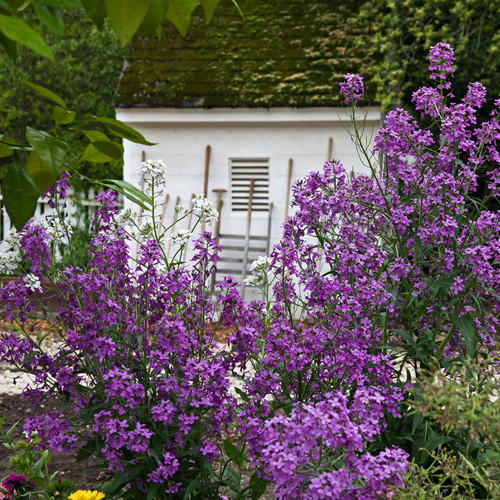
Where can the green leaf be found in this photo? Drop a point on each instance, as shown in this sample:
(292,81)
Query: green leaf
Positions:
(468,331)
(122,130)
(154,17)
(9,46)
(233,453)
(62,3)
(95,135)
(62,116)
(5,143)
(42,176)
(19,31)
(258,486)
(125,17)
(179,14)
(51,17)
(20,195)
(102,152)
(45,93)
(209,7)
(96,9)
(52,151)
(190,487)
(127,187)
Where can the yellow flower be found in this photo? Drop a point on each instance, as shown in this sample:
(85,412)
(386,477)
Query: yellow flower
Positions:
(86,495)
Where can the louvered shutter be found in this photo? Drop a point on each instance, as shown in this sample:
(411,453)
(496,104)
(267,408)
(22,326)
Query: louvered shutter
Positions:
(242,171)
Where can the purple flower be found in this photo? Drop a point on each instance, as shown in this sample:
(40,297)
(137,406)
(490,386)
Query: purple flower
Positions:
(441,63)
(352,88)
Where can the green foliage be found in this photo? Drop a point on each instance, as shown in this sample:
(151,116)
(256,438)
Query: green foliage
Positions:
(460,406)
(400,31)
(28,459)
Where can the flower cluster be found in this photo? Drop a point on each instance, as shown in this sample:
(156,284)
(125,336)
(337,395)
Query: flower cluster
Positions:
(352,88)
(153,171)
(260,270)
(204,208)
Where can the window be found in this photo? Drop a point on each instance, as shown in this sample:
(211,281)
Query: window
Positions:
(242,172)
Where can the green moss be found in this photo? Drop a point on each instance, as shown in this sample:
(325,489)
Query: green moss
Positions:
(280,55)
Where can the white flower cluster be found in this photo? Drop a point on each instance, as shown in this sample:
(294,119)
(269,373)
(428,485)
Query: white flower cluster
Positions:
(32,282)
(10,252)
(153,171)
(58,229)
(260,272)
(204,208)
(180,237)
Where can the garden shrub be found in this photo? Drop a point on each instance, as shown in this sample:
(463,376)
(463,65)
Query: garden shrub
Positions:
(376,281)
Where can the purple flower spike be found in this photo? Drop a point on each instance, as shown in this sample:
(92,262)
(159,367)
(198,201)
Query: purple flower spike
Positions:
(352,88)
(441,57)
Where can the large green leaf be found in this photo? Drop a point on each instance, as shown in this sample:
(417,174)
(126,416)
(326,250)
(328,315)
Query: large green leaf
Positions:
(120,129)
(209,7)
(62,3)
(20,195)
(45,93)
(9,46)
(154,16)
(51,17)
(125,17)
(5,146)
(62,116)
(179,14)
(102,152)
(96,9)
(52,151)
(42,176)
(468,331)
(19,31)
(130,191)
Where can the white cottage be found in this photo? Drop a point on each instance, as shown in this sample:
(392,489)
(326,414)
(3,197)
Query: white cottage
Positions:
(241,100)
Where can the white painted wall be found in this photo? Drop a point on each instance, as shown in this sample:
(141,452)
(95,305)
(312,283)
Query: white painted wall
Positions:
(278,134)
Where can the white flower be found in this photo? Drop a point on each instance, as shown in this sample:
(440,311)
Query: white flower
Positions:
(204,208)
(153,171)
(410,160)
(180,237)
(260,272)
(32,282)
(9,261)
(58,229)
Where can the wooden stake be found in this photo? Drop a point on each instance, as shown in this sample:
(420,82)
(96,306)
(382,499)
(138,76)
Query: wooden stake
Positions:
(190,216)
(163,210)
(330,149)
(205,183)
(247,234)
(218,207)
(269,220)
(174,219)
(288,186)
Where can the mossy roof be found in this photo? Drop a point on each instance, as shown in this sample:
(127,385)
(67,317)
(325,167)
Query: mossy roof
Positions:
(283,53)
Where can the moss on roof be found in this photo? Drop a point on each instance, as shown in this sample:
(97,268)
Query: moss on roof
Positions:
(284,53)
